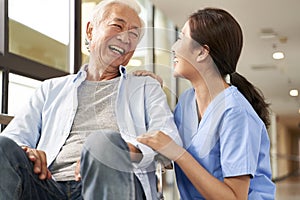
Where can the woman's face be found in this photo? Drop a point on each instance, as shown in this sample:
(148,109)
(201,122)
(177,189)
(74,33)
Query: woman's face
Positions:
(185,54)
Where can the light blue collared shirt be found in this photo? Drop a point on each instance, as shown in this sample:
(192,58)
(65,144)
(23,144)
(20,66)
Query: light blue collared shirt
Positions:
(141,106)
(230,140)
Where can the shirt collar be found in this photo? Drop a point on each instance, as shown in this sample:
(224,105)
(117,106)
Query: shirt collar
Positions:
(123,72)
(82,73)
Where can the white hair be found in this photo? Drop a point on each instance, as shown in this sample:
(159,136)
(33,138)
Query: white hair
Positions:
(101,8)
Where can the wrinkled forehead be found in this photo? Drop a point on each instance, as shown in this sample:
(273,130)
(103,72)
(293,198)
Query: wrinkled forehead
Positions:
(123,14)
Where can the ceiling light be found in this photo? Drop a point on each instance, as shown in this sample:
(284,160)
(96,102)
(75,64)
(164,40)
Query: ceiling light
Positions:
(278,55)
(294,92)
(267,33)
(267,36)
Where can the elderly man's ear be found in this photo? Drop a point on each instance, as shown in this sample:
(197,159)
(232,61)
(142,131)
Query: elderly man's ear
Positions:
(89,29)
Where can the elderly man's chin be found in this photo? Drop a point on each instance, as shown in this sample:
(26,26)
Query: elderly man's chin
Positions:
(122,60)
(117,62)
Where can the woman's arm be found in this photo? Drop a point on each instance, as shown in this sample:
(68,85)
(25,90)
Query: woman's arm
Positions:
(149,73)
(209,186)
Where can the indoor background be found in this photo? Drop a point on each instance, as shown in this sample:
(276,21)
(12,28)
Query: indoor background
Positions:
(41,39)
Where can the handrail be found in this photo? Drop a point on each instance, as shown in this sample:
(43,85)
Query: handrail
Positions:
(294,173)
(5,119)
(294,158)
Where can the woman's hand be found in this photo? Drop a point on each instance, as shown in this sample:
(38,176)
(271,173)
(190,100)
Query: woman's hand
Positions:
(39,160)
(149,73)
(163,144)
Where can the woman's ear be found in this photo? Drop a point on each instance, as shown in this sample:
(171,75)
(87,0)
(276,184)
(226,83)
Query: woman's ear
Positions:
(202,54)
(89,29)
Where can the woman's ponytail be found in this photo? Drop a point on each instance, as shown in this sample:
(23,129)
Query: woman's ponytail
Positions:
(253,95)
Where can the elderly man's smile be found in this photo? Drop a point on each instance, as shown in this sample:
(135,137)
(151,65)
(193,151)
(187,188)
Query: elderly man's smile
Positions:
(117,49)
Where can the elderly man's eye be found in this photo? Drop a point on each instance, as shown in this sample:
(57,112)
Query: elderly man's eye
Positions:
(117,26)
(134,34)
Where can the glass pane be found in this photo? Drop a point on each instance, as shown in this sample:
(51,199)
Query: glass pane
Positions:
(164,38)
(143,56)
(183,85)
(87,7)
(39,30)
(20,90)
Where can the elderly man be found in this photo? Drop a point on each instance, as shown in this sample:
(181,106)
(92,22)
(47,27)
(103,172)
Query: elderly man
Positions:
(76,137)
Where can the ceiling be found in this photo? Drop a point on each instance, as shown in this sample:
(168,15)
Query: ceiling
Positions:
(258,19)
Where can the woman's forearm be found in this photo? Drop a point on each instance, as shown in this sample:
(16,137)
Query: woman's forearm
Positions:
(209,186)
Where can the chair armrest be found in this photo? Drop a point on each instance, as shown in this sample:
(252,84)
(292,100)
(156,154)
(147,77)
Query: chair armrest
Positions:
(5,119)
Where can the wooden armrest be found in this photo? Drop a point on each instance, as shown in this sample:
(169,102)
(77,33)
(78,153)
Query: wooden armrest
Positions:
(5,119)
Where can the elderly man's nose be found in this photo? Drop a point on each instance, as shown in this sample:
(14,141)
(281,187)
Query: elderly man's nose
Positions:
(123,37)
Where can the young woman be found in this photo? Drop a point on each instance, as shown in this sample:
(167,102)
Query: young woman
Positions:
(222,120)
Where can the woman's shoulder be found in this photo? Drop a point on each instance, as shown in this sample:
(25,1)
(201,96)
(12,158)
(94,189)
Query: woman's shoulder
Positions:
(238,105)
(187,94)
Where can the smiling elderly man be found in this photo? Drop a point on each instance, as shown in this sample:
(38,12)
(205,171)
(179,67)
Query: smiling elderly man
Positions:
(76,137)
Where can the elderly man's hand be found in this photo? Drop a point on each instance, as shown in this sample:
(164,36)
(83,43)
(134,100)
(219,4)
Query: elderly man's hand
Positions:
(135,154)
(39,160)
(77,171)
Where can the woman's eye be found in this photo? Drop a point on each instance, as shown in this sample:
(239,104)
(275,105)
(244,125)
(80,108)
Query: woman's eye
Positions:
(178,38)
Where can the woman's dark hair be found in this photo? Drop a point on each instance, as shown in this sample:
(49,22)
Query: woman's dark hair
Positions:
(222,35)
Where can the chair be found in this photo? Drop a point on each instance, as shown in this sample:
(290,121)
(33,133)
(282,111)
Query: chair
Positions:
(4,120)
(162,164)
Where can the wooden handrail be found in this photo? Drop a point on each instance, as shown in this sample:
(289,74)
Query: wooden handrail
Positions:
(5,119)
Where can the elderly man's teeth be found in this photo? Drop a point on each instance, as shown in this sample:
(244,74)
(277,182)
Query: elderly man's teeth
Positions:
(117,49)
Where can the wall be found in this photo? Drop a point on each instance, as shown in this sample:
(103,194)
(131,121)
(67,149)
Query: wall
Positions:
(284,150)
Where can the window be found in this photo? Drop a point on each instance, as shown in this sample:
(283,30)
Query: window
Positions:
(87,7)
(1,92)
(164,37)
(20,89)
(40,31)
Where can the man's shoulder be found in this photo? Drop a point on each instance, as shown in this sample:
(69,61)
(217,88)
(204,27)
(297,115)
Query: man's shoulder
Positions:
(59,82)
(142,79)
(61,79)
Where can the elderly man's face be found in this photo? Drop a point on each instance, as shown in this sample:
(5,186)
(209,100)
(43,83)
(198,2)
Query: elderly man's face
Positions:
(114,40)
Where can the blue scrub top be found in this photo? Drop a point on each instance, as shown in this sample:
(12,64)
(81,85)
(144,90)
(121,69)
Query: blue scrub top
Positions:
(230,140)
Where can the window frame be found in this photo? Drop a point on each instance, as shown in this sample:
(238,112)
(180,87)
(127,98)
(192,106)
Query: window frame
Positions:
(10,62)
